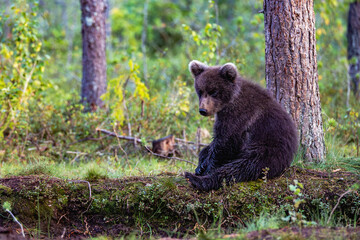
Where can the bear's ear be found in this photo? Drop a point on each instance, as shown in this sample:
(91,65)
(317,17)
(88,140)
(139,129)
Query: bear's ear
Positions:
(229,72)
(196,67)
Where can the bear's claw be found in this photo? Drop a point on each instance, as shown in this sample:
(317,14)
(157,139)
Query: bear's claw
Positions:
(198,182)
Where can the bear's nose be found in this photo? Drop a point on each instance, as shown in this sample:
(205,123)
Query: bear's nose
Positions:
(203,111)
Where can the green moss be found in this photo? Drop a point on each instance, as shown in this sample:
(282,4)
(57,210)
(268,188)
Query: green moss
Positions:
(168,202)
(5,190)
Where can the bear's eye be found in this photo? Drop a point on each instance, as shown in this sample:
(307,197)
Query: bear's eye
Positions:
(200,92)
(213,93)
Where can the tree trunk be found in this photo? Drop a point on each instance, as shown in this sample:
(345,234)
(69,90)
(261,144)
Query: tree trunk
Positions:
(353,37)
(143,39)
(291,69)
(108,27)
(93,30)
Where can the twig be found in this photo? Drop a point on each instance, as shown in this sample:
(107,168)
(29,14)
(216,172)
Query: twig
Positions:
(189,142)
(22,229)
(63,216)
(338,202)
(126,156)
(119,136)
(125,107)
(86,227)
(139,140)
(174,158)
(78,154)
(83,181)
(27,80)
(72,152)
(63,234)
(87,209)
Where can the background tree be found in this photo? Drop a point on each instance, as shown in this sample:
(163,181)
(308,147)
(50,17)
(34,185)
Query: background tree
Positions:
(93,30)
(291,69)
(353,38)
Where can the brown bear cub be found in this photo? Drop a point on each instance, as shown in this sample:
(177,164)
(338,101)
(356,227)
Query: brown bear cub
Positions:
(253,134)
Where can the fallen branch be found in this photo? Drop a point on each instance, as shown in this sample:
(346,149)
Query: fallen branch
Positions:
(134,139)
(189,142)
(137,140)
(173,158)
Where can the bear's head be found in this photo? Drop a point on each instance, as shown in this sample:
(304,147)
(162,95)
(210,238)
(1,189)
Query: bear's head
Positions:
(215,86)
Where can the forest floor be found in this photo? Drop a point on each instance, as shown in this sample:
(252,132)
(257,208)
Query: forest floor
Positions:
(301,204)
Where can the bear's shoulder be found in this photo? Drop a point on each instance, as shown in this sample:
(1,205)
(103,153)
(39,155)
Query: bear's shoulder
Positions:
(254,93)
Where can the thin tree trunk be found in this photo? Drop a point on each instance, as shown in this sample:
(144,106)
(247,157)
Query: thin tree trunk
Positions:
(143,39)
(68,26)
(291,69)
(93,30)
(353,37)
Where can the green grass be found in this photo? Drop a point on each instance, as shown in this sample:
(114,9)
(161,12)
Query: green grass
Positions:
(95,164)
(265,221)
(107,167)
(338,156)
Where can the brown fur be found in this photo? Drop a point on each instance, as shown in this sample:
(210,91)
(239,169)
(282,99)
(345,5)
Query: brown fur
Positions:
(164,146)
(251,132)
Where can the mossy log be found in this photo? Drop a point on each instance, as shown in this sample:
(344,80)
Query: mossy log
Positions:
(166,204)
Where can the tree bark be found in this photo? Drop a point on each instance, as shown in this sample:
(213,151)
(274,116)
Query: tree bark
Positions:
(108,27)
(353,37)
(93,30)
(291,69)
(143,39)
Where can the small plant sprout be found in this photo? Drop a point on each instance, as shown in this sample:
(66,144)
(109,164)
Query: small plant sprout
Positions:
(295,215)
(265,173)
(7,208)
(296,189)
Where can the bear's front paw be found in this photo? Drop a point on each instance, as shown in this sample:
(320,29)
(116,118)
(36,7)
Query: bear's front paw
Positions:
(202,183)
(194,180)
(188,175)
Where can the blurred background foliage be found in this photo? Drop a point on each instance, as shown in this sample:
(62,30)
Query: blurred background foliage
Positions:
(42,39)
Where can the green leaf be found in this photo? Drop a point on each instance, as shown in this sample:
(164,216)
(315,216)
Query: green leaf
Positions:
(7,206)
(355,187)
(298,202)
